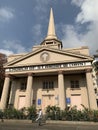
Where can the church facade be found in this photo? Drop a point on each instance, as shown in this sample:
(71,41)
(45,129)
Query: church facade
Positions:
(49,75)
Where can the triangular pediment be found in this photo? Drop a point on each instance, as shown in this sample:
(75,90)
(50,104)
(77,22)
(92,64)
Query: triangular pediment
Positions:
(47,56)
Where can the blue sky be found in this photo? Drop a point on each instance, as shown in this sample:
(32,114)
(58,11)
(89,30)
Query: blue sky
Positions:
(24,23)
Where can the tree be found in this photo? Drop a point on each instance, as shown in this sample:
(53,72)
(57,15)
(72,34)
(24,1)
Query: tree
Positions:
(3,59)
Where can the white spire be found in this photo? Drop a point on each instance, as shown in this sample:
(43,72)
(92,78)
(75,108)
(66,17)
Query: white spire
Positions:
(51,27)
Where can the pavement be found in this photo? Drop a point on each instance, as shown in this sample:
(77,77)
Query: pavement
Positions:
(52,122)
(49,125)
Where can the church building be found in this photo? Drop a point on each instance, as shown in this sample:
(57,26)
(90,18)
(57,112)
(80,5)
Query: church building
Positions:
(49,75)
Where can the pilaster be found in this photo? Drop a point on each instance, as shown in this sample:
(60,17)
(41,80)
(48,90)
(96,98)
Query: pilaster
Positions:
(12,92)
(61,90)
(5,92)
(91,94)
(29,90)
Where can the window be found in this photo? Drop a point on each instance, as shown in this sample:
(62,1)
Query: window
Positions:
(45,85)
(48,85)
(74,84)
(33,102)
(23,86)
(51,85)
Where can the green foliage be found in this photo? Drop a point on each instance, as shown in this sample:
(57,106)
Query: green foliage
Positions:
(95,119)
(1,113)
(72,114)
(24,113)
(32,112)
(12,113)
(53,112)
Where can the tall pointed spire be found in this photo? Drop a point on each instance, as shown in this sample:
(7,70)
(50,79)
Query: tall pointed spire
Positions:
(51,27)
(51,39)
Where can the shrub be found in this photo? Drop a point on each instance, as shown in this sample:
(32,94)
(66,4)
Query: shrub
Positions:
(53,112)
(95,119)
(72,114)
(32,112)
(12,113)
(24,113)
(1,114)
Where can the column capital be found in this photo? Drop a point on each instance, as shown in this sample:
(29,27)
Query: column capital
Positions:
(30,74)
(88,70)
(60,72)
(10,76)
(7,75)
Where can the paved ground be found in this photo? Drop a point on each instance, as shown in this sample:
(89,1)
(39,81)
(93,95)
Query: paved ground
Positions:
(47,126)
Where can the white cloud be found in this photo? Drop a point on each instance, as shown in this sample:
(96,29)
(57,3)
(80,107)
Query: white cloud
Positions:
(6,14)
(77,2)
(6,52)
(89,11)
(91,37)
(14,45)
(71,38)
(88,15)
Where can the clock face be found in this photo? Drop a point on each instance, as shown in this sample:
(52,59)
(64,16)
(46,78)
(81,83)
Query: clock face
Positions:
(44,57)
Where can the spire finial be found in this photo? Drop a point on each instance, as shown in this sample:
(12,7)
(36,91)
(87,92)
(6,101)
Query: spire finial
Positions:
(51,27)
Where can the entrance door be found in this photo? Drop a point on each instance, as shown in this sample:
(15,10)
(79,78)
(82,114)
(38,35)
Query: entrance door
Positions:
(21,102)
(47,100)
(76,101)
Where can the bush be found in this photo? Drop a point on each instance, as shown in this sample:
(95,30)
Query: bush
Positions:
(24,113)
(95,119)
(1,114)
(53,112)
(72,114)
(12,113)
(32,112)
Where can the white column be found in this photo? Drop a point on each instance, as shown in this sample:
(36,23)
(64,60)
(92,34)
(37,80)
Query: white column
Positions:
(5,92)
(29,90)
(62,99)
(12,93)
(91,93)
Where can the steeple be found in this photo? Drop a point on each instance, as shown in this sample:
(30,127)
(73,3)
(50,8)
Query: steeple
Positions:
(51,27)
(51,39)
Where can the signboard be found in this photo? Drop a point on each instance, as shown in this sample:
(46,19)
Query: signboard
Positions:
(68,101)
(39,101)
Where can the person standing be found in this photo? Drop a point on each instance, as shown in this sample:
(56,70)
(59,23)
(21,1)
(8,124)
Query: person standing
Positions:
(39,118)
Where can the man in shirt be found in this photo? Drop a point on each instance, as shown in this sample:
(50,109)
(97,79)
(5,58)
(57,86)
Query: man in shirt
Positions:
(39,118)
